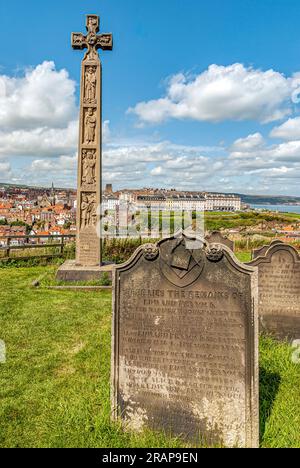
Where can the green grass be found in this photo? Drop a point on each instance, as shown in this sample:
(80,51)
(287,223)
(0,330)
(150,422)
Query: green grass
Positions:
(54,388)
(244,256)
(217,220)
(48,279)
(279,396)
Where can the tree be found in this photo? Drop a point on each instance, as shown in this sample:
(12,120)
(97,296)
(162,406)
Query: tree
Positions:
(21,223)
(67,224)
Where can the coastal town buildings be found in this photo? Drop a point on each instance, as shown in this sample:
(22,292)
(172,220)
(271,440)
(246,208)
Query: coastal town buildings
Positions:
(189,202)
(46,212)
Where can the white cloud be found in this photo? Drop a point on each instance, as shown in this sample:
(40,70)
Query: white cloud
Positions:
(38,112)
(129,155)
(222,93)
(44,142)
(64,163)
(261,169)
(160,164)
(158,171)
(43,126)
(61,171)
(5,171)
(43,97)
(288,151)
(106,134)
(41,141)
(249,143)
(289,130)
(276,161)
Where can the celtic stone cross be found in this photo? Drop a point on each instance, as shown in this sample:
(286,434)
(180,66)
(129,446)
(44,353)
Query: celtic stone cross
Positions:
(89,186)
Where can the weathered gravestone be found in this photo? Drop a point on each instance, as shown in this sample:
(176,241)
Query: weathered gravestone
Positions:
(185,343)
(261,251)
(216,237)
(279,291)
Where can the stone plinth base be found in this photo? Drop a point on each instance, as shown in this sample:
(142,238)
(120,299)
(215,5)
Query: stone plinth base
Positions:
(69,271)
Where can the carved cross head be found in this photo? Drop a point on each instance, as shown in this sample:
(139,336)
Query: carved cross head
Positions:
(92,41)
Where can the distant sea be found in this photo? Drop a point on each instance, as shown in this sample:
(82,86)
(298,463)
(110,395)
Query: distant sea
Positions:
(281,208)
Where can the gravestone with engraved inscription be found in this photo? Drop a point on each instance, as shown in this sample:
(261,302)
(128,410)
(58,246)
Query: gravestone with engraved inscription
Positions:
(279,291)
(216,237)
(185,343)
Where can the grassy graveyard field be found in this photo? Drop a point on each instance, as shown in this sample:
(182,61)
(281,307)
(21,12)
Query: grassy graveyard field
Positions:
(54,387)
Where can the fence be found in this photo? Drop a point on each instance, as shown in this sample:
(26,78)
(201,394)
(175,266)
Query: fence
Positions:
(22,244)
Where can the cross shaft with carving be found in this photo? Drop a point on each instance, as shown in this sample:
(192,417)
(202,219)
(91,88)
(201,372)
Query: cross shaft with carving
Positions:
(92,41)
(89,186)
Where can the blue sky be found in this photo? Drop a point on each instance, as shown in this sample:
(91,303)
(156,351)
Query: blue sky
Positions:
(199,95)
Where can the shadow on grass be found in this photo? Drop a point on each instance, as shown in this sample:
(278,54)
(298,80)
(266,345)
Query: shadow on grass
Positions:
(269,385)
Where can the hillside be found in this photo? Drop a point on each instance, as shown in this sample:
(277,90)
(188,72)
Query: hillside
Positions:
(269,200)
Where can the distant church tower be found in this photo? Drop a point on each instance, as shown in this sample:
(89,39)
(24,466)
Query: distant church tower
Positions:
(52,195)
(109,189)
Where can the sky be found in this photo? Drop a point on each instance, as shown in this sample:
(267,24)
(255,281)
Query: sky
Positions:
(197,94)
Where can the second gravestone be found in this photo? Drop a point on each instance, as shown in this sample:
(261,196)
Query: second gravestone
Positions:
(279,291)
(216,237)
(185,343)
(261,251)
